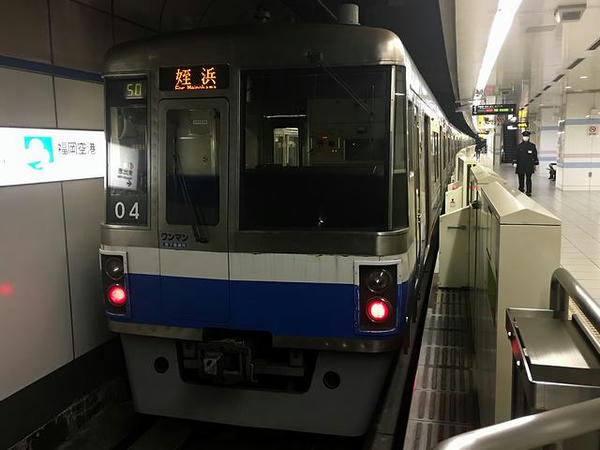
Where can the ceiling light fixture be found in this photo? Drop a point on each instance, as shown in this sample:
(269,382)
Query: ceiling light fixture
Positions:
(583,77)
(500,27)
(567,87)
(569,13)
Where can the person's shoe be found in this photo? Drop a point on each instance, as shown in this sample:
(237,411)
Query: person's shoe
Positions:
(522,190)
(528,194)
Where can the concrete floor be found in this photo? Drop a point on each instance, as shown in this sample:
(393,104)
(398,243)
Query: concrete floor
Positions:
(580,215)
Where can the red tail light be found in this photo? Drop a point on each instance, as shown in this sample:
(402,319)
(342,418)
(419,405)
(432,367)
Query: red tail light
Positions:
(117,295)
(378,309)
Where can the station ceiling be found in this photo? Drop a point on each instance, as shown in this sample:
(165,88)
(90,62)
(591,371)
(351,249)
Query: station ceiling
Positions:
(536,52)
(417,23)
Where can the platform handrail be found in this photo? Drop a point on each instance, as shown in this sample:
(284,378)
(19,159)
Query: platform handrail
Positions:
(547,427)
(564,287)
(531,431)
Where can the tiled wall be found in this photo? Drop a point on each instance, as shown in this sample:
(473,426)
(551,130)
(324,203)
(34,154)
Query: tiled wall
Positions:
(52,312)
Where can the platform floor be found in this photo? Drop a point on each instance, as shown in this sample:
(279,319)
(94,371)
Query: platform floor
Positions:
(580,215)
(444,401)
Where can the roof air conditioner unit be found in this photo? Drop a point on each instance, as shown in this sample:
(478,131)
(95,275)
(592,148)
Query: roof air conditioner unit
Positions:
(569,13)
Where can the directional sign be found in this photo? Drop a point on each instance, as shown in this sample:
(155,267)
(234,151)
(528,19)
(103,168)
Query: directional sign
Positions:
(34,155)
(124,162)
(494,109)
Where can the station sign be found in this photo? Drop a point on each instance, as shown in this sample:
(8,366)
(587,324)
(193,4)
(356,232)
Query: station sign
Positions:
(192,78)
(39,155)
(499,108)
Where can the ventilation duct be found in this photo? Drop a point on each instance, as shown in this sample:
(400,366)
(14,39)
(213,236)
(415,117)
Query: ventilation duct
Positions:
(348,14)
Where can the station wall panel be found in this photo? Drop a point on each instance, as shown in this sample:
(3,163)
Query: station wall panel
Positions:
(83,201)
(79,104)
(35,318)
(26,99)
(80,35)
(24,30)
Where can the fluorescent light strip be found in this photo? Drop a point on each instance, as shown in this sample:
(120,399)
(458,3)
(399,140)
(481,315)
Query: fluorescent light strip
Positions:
(500,28)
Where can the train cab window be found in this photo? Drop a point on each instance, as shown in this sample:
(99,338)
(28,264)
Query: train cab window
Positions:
(192,186)
(315,149)
(127,154)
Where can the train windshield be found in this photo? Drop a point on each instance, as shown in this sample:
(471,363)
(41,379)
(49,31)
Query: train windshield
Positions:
(315,149)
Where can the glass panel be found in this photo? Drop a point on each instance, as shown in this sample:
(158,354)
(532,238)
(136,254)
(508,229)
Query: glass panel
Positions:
(399,177)
(316,149)
(285,150)
(192,153)
(435,152)
(126,129)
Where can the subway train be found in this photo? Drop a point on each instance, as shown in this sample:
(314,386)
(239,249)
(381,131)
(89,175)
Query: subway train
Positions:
(271,194)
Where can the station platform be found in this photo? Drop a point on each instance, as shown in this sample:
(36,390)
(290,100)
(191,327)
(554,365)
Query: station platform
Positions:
(444,401)
(579,212)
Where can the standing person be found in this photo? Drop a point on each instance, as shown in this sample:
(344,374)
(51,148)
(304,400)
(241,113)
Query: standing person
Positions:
(525,162)
(478,147)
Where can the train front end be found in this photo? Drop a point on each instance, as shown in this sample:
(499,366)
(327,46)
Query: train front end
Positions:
(257,259)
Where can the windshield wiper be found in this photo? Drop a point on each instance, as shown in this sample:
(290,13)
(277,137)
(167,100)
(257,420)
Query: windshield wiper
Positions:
(318,58)
(200,233)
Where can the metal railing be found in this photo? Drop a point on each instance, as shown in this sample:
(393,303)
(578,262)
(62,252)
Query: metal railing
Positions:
(552,426)
(531,431)
(565,287)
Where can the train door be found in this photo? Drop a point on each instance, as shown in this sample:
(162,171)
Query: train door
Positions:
(194,261)
(434,180)
(413,153)
(427,175)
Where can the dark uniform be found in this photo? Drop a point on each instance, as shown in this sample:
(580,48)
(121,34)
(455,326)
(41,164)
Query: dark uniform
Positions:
(526,160)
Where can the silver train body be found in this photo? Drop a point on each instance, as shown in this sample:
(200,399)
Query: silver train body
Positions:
(271,193)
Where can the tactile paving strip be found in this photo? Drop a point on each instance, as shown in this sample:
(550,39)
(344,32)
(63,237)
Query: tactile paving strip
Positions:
(444,402)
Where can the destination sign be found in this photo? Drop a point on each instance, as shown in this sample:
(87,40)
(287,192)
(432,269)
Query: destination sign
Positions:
(479,110)
(192,78)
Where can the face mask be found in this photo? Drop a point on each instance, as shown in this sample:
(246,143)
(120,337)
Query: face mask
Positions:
(525,138)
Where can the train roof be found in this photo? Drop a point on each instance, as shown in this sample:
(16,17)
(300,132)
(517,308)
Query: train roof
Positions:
(261,46)
(264,46)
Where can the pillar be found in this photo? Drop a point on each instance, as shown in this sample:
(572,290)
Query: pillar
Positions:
(579,143)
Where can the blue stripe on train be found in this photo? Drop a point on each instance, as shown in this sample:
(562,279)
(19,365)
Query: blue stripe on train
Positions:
(282,308)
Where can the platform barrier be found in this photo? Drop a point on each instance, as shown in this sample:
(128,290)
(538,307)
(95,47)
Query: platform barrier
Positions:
(503,247)
(556,369)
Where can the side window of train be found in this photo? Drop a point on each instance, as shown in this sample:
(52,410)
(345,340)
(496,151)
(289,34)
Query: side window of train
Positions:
(126,131)
(399,172)
(192,152)
(435,153)
(410,123)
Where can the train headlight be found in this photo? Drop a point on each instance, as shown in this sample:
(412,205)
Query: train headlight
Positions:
(379,280)
(378,309)
(114,268)
(117,295)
